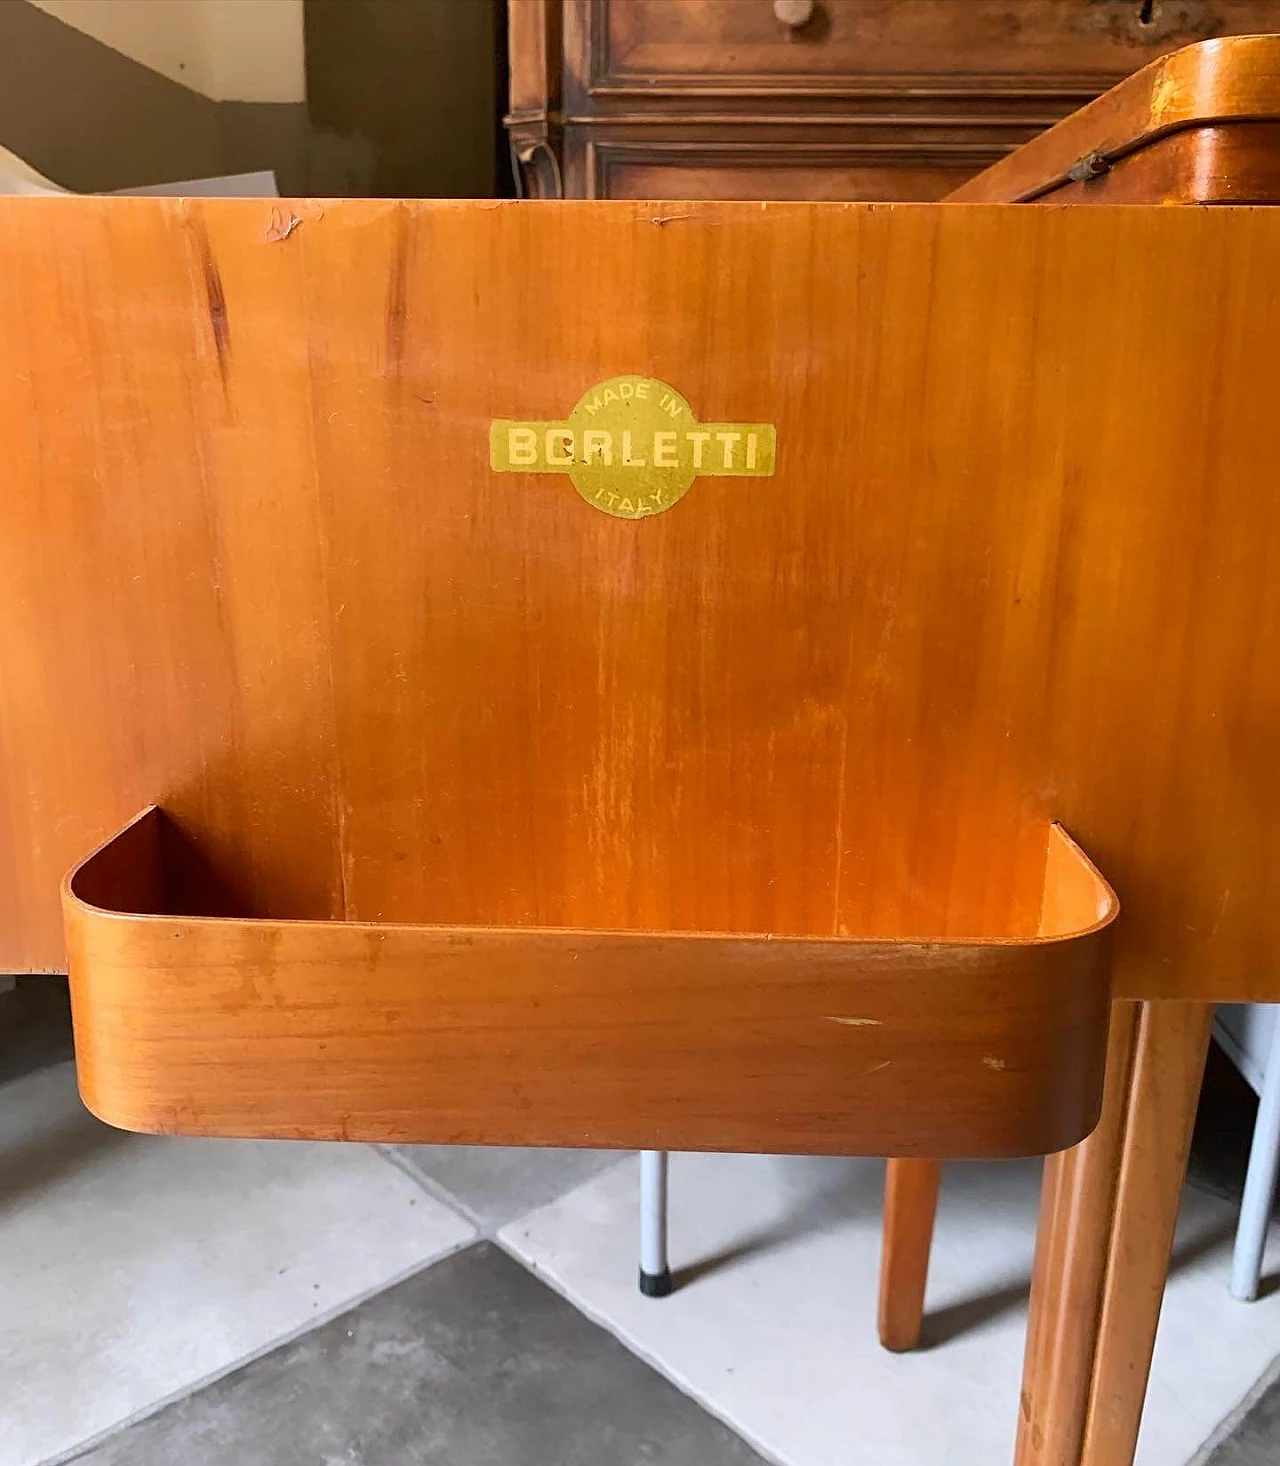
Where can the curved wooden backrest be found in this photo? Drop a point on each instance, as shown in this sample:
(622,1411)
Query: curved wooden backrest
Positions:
(1016,564)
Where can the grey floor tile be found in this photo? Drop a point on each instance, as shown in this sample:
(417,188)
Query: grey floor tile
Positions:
(497,1183)
(772,1322)
(1256,1439)
(139,1266)
(472,1362)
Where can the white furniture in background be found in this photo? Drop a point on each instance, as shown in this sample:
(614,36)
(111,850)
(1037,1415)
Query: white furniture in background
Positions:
(655,1275)
(1250,1035)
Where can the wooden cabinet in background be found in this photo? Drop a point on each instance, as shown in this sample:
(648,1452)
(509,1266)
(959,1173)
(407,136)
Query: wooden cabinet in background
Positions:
(816,99)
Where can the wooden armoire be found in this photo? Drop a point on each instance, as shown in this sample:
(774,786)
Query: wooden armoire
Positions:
(817,99)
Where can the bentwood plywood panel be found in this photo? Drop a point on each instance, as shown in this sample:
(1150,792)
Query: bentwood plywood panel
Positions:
(1014,563)
(274,559)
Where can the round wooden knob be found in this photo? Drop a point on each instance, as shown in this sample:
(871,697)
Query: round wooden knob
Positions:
(794,13)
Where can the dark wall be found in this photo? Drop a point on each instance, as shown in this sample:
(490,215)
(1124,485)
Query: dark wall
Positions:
(92,119)
(404,96)
(403,99)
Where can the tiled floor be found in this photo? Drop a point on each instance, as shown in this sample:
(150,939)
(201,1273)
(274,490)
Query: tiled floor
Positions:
(231,1303)
(470,1361)
(774,1327)
(494,1185)
(1251,1437)
(135,1268)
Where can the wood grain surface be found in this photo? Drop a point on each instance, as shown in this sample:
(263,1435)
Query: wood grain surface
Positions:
(1017,563)
(1170,1045)
(1073,1241)
(1159,142)
(910,1207)
(1045,50)
(1227,163)
(481,1035)
(1200,128)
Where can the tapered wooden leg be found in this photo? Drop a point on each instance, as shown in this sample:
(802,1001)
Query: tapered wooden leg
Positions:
(1173,1040)
(1108,1210)
(1072,1237)
(910,1205)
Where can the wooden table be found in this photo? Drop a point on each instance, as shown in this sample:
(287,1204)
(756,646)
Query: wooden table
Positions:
(683,786)
(1199,127)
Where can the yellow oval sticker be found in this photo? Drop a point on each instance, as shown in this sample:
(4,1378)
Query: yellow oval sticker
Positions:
(632,447)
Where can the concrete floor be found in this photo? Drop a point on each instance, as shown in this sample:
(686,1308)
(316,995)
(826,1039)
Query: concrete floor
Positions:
(233,1303)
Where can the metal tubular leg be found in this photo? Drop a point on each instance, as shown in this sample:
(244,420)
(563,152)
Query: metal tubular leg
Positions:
(1259,1182)
(655,1275)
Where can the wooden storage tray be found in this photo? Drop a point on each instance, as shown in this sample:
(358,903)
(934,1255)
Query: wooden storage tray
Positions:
(537,1035)
(260,567)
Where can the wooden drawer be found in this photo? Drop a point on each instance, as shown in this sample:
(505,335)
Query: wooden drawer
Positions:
(856,47)
(711,177)
(761,162)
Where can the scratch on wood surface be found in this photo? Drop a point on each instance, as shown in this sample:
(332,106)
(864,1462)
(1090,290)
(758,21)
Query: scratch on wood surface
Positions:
(840,794)
(346,857)
(709,220)
(993,1063)
(397,293)
(281,227)
(854,1022)
(215,299)
(1222,911)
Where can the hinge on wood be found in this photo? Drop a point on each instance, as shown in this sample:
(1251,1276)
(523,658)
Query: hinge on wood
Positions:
(1092,165)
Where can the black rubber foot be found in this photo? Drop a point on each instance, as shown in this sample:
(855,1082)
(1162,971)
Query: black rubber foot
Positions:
(655,1285)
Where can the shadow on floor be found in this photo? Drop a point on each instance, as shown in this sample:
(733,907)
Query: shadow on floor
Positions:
(35,1026)
(821,1211)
